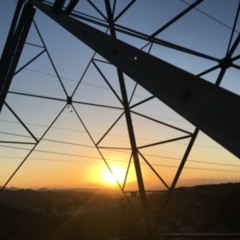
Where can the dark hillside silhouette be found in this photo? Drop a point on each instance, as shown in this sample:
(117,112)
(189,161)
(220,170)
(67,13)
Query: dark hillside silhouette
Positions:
(72,215)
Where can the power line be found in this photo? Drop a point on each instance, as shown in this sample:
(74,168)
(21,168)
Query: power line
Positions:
(74,130)
(211,17)
(66,78)
(149,155)
(97,160)
(59,128)
(89,146)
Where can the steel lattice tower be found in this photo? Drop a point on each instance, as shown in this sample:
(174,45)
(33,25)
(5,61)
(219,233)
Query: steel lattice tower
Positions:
(205,104)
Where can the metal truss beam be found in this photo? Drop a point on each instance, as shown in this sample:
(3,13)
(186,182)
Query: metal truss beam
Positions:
(210,108)
(130,127)
(14,46)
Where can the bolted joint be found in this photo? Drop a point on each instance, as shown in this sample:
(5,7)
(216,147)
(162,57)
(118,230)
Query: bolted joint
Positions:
(225,63)
(69,100)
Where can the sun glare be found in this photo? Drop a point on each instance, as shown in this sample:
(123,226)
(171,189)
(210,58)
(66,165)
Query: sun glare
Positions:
(109,178)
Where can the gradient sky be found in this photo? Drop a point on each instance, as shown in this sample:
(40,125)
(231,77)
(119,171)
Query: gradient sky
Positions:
(66,157)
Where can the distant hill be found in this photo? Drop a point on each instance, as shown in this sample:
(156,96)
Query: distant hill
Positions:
(19,224)
(72,215)
(207,208)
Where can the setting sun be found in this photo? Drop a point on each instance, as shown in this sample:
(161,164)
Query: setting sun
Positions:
(118,175)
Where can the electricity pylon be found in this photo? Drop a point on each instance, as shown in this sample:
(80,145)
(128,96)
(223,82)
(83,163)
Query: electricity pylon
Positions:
(207,106)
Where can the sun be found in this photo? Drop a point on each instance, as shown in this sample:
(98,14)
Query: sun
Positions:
(111,179)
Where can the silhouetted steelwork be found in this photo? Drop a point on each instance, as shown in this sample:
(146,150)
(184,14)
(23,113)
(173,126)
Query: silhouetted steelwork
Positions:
(209,107)
(14,46)
(205,105)
(130,126)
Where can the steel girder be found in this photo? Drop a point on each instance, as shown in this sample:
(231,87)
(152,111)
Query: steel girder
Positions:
(14,46)
(212,109)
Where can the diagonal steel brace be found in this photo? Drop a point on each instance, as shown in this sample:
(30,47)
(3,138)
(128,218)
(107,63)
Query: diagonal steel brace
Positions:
(212,109)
